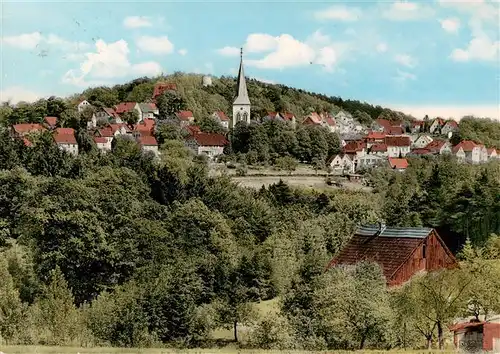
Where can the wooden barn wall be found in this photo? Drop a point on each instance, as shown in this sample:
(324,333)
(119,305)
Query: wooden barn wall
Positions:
(437,257)
(413,265)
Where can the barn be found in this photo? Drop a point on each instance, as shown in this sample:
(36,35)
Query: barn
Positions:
(401,252)
(477,336)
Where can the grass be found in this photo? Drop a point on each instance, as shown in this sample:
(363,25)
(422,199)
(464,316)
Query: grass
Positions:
(100,350)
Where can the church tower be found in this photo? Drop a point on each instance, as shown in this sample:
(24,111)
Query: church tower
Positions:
(241,104)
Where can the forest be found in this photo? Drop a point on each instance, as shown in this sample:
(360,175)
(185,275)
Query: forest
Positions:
(120,249)
(123,249)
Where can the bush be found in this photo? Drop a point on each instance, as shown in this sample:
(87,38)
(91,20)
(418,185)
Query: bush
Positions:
(241,170)
(273,332)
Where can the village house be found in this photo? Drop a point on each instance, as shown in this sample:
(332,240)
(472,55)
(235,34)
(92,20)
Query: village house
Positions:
(439,147)
(185,117)
(323,119)
(82,105)
(290,117)
(397,145)
(23,129)
(436,126)
(148,143)
(477,337)
(146,127)
(417,126)
(149,110)
(312,119)
(398,164)
(390,128)
(401,252)
(378,149)
(210,144)
(124,107)
(341,163)
(102,143)
(50,122)
(369,161)
(355,149)
(65,140)
(107,115)
(451,126)
(469,151)
(492,153)
(422,141)
(374,138)
(222,118)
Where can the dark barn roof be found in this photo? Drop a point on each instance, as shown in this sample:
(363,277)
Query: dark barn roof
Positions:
(390,248)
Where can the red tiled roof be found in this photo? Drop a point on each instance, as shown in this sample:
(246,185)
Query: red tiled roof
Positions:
(100,140)
(314,117)
(394,130)
(397,163)
(184,115)
(65,131)
(379,148)
(106,132)
(222,116)
(147,125)
(28,128)
(288,116)
(147,140)
(330,121)
(117,126)
(435,145)
(162,87)
(491,150)
(466,145)
(452,123)
(193,129)
(125,107)
(375,135)
(397,141)
(354,146)
(64,138)
(389,252)
(210,139)
(51,121)
(110,111)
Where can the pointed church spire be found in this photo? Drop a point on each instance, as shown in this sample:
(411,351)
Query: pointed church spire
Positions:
(241,85)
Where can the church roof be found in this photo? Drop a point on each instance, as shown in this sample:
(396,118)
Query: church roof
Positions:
(241,86)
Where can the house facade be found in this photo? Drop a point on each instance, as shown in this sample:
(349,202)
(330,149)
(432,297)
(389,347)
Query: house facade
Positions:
(341,163)
(398,164)
(102,143)
(422,141)
(148,143)
(469,151)
(210,144)
(450,126)
(124,107)
(397,145)
(65,140)
(401,252)
(149,110)
(222,118)
(82,105)
(436,126)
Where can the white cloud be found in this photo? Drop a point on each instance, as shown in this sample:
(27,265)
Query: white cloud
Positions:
(404,76)
(17,94)
(405,60)
(182,51)
(229,51)
(155,45)
(260,42)
(31,41)
(137,22)
(450,25)
(339,13)
(107,62)
(382,47)
(455,111)
(480,48)
(407,11)
(290,52)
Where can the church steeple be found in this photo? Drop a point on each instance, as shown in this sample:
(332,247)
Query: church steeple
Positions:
(241,104)
(241,85)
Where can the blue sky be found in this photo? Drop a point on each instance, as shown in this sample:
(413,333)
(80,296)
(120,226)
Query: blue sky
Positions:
(439,57)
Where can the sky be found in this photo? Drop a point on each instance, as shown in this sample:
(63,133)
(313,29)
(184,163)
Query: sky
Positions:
(436,57)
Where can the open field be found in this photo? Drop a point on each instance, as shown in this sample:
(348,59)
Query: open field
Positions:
(76,350)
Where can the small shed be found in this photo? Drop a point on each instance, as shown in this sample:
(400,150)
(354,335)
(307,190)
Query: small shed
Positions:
(477,337)
(401,252)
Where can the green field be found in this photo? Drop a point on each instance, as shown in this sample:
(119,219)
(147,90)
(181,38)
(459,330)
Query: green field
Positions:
(76,350)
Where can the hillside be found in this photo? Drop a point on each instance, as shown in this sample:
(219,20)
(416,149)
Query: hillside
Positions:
(265,97)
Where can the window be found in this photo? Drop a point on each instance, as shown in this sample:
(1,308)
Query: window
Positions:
(424,250)
(238,116)
(245,116)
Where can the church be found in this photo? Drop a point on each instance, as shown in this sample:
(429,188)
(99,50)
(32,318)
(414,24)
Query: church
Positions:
(241,104)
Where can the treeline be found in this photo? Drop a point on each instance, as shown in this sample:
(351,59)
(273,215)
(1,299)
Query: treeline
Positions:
(485,131)
(264,143)
(202,101)
(461,201)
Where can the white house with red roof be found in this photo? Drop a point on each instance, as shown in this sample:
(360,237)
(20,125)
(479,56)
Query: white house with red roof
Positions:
(210,144)
(398,164)
(222,118)
(439,147)
(185,117)
(378,149)
(469,151)
(124,107)
(436,126)
(341,163)
(374,137)
(23,129)
(102,143)
(422,141)
(451,126)
(417,126)
(50,122)
(149,110)
(492,154)
(148,143)
(387,126)
(398,145)
(66,140)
